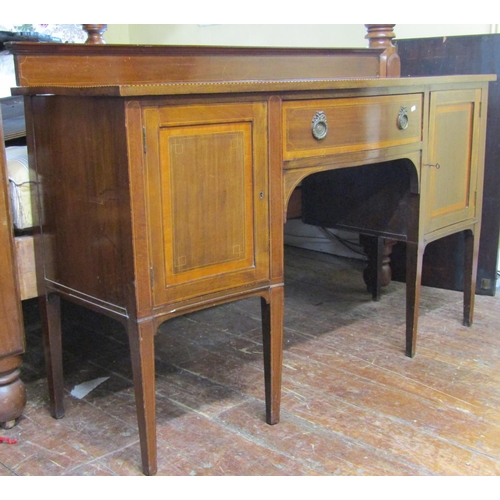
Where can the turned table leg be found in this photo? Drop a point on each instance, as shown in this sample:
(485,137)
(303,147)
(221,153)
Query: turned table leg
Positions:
(12,392)
(272,333)
(378,270)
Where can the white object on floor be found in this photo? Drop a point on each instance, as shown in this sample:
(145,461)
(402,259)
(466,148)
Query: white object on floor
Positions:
(81,390)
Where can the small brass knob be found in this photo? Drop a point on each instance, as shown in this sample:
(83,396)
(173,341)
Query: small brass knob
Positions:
(319,125)
(403,119)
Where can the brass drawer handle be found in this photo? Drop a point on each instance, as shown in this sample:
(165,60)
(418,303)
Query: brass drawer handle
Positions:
(319,125)
(403,119)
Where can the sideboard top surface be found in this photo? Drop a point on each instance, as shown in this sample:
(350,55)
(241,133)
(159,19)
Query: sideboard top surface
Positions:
(248,86)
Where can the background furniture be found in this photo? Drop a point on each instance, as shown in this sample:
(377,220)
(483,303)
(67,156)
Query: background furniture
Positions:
(21,190)
(12,391)
(17,262)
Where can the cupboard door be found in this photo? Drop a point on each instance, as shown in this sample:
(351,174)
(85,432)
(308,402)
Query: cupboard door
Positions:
(450,175)
(208,198)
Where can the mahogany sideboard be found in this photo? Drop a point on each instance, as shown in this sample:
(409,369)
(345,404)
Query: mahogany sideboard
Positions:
(164,175)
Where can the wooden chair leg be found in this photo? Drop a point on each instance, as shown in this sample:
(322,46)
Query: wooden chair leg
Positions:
(470,275)
(414,260)
(141,339)
(272,334)
(50,312)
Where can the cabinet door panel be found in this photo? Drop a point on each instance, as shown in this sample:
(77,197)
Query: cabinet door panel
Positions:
(208,226)
(208,203)
(453,155)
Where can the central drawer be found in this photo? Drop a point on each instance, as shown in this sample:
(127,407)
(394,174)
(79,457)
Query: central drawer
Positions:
(344,125)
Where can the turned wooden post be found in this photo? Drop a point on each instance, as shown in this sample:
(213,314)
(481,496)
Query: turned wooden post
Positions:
(12,392)
(377,273)
(380,36)
(95,33)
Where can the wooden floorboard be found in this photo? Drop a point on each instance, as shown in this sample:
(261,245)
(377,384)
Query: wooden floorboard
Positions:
(352,403)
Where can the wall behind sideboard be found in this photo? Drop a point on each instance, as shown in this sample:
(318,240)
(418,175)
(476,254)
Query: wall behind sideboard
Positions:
(286,35)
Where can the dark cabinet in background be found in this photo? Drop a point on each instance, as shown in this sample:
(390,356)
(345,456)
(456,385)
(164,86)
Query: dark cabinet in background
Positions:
(471,54)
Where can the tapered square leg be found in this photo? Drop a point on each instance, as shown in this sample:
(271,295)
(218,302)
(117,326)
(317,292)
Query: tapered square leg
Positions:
(50,312)
(414,260)
(141,339)
(272,333)
(470,275)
